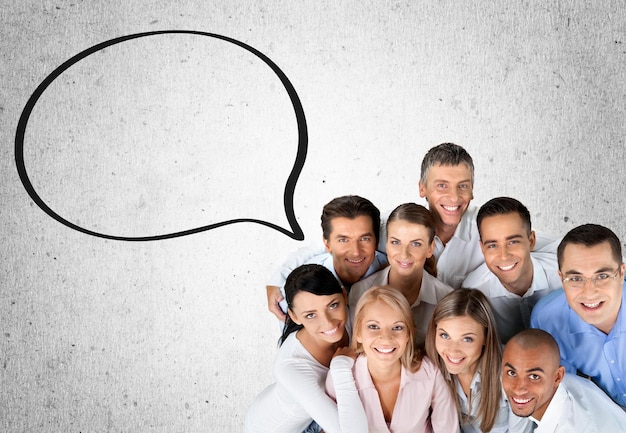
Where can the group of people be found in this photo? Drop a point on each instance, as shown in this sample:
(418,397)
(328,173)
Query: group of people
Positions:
(461,320)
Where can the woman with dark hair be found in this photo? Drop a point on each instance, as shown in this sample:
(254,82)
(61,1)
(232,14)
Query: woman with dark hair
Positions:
(314,330)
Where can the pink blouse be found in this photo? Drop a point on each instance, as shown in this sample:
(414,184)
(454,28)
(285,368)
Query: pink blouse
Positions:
(419,392)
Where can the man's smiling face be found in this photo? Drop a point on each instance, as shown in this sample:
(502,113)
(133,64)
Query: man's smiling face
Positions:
(506,245)
(597,303)
(530,377)
(448,190)
(352,244)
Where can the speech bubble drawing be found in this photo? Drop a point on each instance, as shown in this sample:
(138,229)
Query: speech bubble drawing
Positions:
(65,112)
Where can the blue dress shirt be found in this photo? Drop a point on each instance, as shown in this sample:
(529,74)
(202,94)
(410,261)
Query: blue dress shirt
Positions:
(584,348)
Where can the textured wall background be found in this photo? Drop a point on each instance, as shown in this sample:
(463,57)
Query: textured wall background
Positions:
(173,132)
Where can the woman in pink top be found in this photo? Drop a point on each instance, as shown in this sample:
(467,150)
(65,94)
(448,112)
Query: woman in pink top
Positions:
(401,390)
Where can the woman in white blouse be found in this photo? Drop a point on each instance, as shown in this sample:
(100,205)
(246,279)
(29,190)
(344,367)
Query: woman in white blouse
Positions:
(314,330)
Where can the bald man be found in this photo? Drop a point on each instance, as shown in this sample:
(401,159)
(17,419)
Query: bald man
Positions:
(538,388)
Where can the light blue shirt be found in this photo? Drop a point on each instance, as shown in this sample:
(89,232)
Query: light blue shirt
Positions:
(584,348)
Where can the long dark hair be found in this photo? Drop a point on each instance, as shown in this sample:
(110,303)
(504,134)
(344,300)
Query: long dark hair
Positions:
(314,279)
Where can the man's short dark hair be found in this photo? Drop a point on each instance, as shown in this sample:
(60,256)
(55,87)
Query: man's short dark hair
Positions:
(590,235)
(350,206)
(502,206)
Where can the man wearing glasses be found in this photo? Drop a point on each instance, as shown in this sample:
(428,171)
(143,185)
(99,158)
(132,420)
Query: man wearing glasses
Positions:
(586,317)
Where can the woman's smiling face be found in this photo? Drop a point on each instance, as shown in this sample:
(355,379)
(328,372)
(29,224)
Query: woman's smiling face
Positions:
(408,247)
(383,333)
(323,316)
(460,341)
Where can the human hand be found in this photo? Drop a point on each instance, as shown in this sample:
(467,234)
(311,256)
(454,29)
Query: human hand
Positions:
(345,351)
(274,296)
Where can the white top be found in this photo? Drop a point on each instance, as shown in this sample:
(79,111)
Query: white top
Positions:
(431,292)
(455,260)
(513,311)
(501,424)
(462,253)
(580,406)
(298,396)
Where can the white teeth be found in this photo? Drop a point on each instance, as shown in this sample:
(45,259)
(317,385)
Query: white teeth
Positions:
(451,208)
(386,350)
(331,332)
(357,260)
(596,305)
(521,400)
(455,360)
(507,268)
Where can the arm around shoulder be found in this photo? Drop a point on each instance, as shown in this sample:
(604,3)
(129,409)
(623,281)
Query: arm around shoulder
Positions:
(295,259)
(278,278)
(341,385)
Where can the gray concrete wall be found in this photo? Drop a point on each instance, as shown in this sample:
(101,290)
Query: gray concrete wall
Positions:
(172,132)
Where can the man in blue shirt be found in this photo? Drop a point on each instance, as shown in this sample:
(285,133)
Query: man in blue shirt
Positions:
(586,317)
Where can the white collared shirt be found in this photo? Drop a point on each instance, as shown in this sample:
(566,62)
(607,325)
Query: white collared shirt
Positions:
(580,406)
(462,253)
(513,311)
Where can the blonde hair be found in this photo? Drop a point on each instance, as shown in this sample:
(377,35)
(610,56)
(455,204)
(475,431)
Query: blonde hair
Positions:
(475,305)
(411,359)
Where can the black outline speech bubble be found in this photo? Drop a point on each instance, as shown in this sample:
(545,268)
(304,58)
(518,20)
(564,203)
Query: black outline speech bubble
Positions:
(290,185)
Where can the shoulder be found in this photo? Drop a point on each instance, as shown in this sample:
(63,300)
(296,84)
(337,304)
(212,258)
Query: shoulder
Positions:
(433,288)
(552,303)
(467,228)
(362,376)
(590,398)
(379,277)
(550,312)
(545,261)
(380,258)
(480,278)
(320,259)
(427,371)
(470,214)
(293,358)
(376,279)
